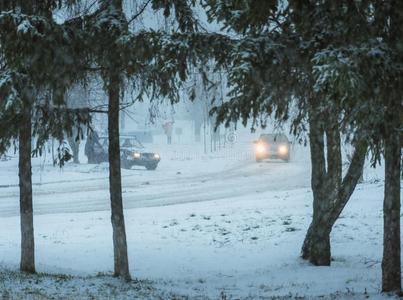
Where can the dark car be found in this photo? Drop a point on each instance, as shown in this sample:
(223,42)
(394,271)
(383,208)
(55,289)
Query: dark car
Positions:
(272,146)
(132,152)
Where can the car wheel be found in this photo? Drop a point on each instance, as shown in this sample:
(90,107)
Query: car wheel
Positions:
(151,166)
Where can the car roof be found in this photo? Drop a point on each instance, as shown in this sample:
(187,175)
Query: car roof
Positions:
(274,137)
(135,143)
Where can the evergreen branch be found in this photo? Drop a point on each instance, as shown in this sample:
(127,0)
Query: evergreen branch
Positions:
(139,12)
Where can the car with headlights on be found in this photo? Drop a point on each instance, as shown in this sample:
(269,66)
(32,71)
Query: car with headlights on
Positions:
(132,152)
(272,145)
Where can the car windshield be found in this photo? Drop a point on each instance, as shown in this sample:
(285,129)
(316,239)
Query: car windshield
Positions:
(274,138)
(130,142)
(125,142)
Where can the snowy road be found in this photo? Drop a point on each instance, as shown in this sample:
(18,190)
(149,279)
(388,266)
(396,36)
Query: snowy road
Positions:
(85,188)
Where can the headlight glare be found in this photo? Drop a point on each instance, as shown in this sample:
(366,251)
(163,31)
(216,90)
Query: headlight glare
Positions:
(260,148)
(283,149)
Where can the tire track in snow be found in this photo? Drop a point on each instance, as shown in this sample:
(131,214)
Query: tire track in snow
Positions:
(239,180)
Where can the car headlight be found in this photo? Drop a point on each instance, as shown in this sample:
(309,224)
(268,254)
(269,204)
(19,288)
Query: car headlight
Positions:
(136,155)
(260,148)
(156,156)
(283,149)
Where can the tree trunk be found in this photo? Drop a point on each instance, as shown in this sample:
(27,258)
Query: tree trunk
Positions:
(76,151)
(75,147)
(316,246)
(391,273)
(121,261)
(123,121)
(391,262)
(330,194)
(25,182)
(197,132)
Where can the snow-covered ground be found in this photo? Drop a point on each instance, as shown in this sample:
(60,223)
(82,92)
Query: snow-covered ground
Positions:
(217,226)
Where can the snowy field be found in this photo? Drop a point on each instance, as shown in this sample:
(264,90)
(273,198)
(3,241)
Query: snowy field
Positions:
(215,226)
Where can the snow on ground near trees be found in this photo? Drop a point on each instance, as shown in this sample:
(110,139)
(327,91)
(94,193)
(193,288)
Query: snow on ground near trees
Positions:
(208,226)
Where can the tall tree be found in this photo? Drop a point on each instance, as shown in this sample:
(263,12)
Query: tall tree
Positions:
(108,24)
(367,75)
(390,15)
(273,74)
(26,29)
(154,61)
(27,262)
